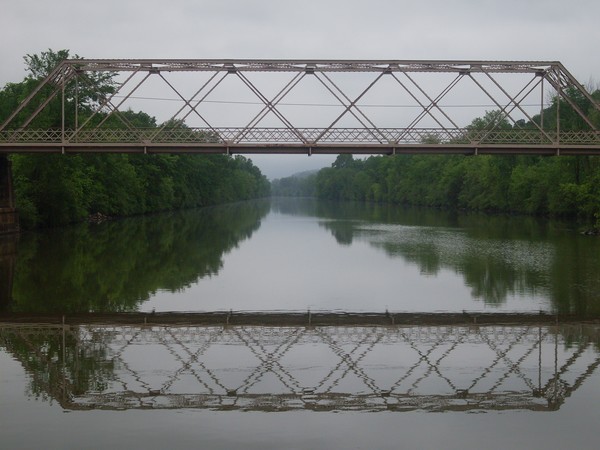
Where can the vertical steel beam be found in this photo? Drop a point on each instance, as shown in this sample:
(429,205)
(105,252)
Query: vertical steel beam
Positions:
(542,104)
(558,98)
(76,101)
(515,101)
(62,118)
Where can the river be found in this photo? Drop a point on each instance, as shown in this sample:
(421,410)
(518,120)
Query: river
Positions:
(113,383)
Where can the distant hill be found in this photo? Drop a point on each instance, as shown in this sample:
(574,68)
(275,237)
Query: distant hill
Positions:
(301,184)
(304,174)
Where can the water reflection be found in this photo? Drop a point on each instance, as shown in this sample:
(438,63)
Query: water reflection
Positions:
(497,256)
(525,263)
(279,368)
(116,266)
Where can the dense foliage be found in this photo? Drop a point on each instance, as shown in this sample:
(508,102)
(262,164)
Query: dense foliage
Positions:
(57,189)
(558,186)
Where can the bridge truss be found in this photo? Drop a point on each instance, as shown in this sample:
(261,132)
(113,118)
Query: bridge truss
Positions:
(308,106)
(271,368)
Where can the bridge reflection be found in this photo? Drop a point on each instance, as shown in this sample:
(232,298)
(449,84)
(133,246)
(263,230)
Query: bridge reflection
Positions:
(279,368)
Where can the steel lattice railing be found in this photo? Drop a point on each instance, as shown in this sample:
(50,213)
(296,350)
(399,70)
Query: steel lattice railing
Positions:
(308,136)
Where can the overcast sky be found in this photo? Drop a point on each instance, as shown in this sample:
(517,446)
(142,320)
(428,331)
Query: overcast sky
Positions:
(566,31)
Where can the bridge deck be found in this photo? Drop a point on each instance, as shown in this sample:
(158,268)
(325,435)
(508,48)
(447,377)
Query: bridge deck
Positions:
(301,141)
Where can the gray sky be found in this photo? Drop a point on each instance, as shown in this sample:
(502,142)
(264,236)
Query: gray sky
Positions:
(311,29)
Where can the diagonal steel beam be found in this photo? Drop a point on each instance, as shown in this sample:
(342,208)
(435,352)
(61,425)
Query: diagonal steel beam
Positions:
(108,101)
(513,101)
(186,103)
(116,107)
(204,98)
(276,100)
(271,107)
(516,104)
(354,104)
(571,81)
(60,83)
(560,89)
(433,104)
(421,104)
(50,79)
(350,106)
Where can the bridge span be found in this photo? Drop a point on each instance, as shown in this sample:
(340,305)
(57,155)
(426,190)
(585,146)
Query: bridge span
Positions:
(306,106)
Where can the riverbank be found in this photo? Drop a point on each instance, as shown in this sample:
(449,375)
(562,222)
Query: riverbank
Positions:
(548,187)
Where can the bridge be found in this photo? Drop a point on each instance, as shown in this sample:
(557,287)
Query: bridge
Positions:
(306,106)
(394,368)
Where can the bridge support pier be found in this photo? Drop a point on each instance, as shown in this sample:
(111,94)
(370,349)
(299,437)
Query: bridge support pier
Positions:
(8,259)
(9,219)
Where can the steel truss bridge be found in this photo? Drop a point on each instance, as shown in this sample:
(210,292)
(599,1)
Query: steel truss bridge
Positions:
(323,368)
(307,106)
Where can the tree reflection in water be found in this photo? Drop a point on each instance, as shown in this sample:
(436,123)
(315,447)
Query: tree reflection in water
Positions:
(497,256)
(118,265)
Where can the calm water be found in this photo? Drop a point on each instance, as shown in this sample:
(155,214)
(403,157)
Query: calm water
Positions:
(299,255)
(190,386)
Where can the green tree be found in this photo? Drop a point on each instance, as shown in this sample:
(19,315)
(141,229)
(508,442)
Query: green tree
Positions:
(57,189)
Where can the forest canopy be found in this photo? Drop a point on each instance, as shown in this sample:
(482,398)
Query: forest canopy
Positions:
(57,189)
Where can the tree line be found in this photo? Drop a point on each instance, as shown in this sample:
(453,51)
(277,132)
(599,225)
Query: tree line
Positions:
(540,185)
(53,190)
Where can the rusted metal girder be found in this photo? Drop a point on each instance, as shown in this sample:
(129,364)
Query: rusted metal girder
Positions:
(90,132)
